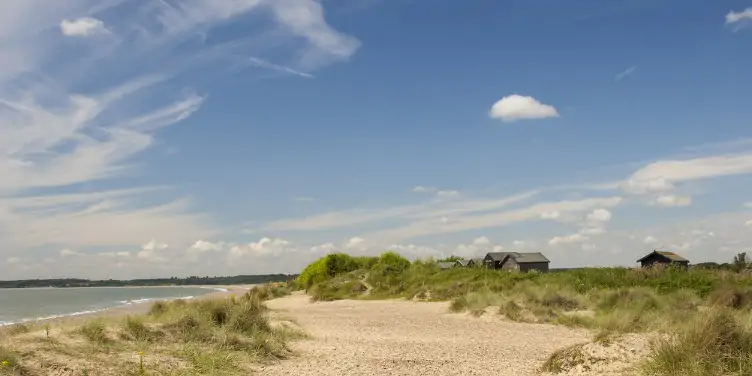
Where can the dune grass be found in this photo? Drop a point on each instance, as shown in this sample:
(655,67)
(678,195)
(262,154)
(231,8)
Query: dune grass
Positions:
(181,338)
(701,315)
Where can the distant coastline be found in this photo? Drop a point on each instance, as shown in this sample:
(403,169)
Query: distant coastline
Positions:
(148,282)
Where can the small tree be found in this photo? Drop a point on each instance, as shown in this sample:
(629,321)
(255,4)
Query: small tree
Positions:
(740,261)
(451,258)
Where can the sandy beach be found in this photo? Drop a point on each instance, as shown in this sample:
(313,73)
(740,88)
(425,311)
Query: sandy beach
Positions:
(398,337)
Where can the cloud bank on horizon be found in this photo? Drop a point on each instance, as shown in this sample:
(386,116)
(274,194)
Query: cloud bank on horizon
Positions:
(197,137)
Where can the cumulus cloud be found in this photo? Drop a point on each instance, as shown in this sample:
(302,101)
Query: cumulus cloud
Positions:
(734,17)
(83,27)
(748,223)
(599,215)
(673,201)
(517,107)
(355,242)
(151,251)
(13,260)
(748,205)
(650,240)
(482,241)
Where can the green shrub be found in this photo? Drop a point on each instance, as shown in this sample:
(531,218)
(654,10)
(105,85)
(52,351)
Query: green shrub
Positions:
(328,267)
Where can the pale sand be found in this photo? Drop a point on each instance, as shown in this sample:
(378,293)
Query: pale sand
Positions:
(398,337)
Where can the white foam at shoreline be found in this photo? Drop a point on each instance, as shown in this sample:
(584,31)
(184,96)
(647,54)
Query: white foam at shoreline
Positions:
(122,303)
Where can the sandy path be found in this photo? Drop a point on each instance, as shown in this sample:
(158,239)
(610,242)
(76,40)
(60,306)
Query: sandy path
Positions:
(407,338)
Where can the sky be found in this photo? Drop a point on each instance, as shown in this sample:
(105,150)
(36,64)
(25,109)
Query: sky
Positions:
(163,138)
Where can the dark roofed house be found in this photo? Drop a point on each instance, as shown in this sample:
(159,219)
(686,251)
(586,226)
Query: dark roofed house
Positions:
(516,261)
(662,257)
(463,263)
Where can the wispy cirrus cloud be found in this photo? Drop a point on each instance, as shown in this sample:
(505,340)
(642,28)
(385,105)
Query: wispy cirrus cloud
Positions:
(623,74)
(121,74)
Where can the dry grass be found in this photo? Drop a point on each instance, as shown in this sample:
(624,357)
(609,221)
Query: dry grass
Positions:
(180,338)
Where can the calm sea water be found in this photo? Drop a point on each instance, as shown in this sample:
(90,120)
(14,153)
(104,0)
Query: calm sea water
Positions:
(18,305)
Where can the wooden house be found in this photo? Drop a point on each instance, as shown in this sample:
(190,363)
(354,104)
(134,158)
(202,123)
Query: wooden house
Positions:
(662,258)
(516,261)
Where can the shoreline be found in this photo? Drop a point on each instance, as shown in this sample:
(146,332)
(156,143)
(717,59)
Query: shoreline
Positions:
(131,308)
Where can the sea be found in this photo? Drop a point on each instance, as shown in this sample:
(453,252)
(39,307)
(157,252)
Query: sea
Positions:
(30,304)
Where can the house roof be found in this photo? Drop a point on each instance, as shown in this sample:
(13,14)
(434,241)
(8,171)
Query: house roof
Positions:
(463,262)
(478,261)
(497,256)
(520,258)
(666,254)
(531,257)
(446,265)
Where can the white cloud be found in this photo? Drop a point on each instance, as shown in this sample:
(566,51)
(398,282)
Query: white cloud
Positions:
(551,215)
(668,172)
(205,246)
(69,253)
(599,215)
(83,27)
(517,107)
(646,186)
(481,241)
(621,75)
(748,223)
(650,240)
(152,251)
(422,189)
(13,260)
(673,201)
(447,194)
(69,126)
(355,242)
(264,247)
(569,239)
(519,243)
(734,17)
(593,231)
(748,205)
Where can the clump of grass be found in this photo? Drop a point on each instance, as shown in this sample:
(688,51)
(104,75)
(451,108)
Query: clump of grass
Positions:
(95,331)
(716,344)
(564,359)
(158,308)
(9,362)
(735,297)
(346,286)
(135,328)
(268,291)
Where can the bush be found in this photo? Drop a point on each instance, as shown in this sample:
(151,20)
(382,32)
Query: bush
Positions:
(391,263)
(328,267)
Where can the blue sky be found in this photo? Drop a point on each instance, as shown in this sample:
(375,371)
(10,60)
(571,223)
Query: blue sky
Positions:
(179,137)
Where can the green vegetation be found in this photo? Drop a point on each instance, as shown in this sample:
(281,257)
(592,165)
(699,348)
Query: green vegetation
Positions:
(174,281)
(703,314)
(181,338)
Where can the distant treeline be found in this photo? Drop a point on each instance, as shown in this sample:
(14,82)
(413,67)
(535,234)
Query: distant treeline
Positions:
(174,281)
